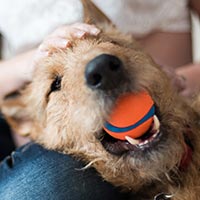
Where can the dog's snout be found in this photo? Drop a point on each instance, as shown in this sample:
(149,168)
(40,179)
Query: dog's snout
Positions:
(104,72)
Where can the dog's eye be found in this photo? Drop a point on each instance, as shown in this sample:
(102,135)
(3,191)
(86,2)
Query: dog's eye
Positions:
(56,84)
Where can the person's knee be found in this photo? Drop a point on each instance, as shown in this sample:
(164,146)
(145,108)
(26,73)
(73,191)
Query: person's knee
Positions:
(33,172)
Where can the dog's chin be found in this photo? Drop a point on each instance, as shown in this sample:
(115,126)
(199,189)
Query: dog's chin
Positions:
(143,146)
(150,141)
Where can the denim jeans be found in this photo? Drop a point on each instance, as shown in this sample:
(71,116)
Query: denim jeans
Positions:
(34,173)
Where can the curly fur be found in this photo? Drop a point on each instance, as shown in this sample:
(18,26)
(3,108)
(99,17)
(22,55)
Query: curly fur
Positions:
(70,120)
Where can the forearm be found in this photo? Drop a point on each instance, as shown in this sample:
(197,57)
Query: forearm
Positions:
(14,72)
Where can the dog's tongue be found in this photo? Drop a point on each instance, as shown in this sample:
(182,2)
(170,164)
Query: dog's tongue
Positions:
(131,116)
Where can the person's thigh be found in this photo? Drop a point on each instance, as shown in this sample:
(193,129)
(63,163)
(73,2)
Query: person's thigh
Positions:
(33,172)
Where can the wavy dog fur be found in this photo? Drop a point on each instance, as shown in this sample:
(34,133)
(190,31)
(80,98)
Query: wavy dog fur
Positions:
(70,120)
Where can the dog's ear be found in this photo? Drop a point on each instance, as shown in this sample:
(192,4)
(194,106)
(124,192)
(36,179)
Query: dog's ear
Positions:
(15,112)
(94,15)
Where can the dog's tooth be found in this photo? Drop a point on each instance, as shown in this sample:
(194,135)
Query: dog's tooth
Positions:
(143,143)
(156,125)
(131,140)
(146,142)
(155,134)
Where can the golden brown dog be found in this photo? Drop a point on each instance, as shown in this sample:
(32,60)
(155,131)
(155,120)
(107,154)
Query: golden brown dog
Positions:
(66,106)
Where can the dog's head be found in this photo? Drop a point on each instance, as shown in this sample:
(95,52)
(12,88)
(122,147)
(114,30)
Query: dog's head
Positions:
(72,95)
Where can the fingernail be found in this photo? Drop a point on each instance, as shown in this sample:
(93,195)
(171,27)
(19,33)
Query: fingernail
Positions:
(79,34)
(41,54)
(95,31)
(62,43)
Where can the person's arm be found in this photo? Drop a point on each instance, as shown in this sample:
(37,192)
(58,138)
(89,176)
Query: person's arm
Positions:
(18,70)
(14,72)
(190,74)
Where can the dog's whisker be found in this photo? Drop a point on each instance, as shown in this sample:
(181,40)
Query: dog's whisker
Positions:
(147,150)
(89,164)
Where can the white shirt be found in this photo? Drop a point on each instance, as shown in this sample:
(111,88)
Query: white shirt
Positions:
(24,23)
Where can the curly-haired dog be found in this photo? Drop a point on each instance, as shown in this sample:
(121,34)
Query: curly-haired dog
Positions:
(67,104)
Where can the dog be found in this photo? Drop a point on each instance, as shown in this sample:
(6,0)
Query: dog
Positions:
(66,105)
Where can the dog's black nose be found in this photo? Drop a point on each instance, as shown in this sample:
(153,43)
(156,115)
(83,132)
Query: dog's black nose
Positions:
(104,72)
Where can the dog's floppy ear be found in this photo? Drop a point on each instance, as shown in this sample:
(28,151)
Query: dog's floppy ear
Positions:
(16,114)
(94,15)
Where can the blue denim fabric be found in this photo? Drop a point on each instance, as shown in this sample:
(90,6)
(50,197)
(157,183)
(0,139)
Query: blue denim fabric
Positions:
(34,173)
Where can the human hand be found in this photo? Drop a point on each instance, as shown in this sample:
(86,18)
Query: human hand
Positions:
(15,72)
(191,74)
(62,37)
(177,81)
(185,79)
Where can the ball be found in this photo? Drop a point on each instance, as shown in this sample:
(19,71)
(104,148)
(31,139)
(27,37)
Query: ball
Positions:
(131,116)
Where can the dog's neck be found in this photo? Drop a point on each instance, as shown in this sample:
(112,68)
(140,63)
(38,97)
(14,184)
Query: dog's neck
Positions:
(187,156)
(183,167)
(184,164)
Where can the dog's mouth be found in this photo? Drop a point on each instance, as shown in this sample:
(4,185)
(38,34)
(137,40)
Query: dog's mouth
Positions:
(145,142)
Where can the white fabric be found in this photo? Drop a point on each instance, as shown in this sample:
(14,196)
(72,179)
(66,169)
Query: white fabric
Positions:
(142,17)
(24,23)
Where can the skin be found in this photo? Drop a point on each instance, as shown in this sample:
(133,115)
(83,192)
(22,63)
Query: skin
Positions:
(17,70)
(191,72)
(169,49)
(177,56)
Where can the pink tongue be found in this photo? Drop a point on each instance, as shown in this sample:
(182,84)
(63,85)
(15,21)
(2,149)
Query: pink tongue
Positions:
(132,116)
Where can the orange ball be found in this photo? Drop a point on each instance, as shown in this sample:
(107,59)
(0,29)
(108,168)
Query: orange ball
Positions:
(131,116)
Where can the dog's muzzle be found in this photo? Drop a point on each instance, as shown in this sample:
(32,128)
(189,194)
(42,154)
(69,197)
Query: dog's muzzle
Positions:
(104,72)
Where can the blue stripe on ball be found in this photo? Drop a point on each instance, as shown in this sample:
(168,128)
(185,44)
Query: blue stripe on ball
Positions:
(115,129)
